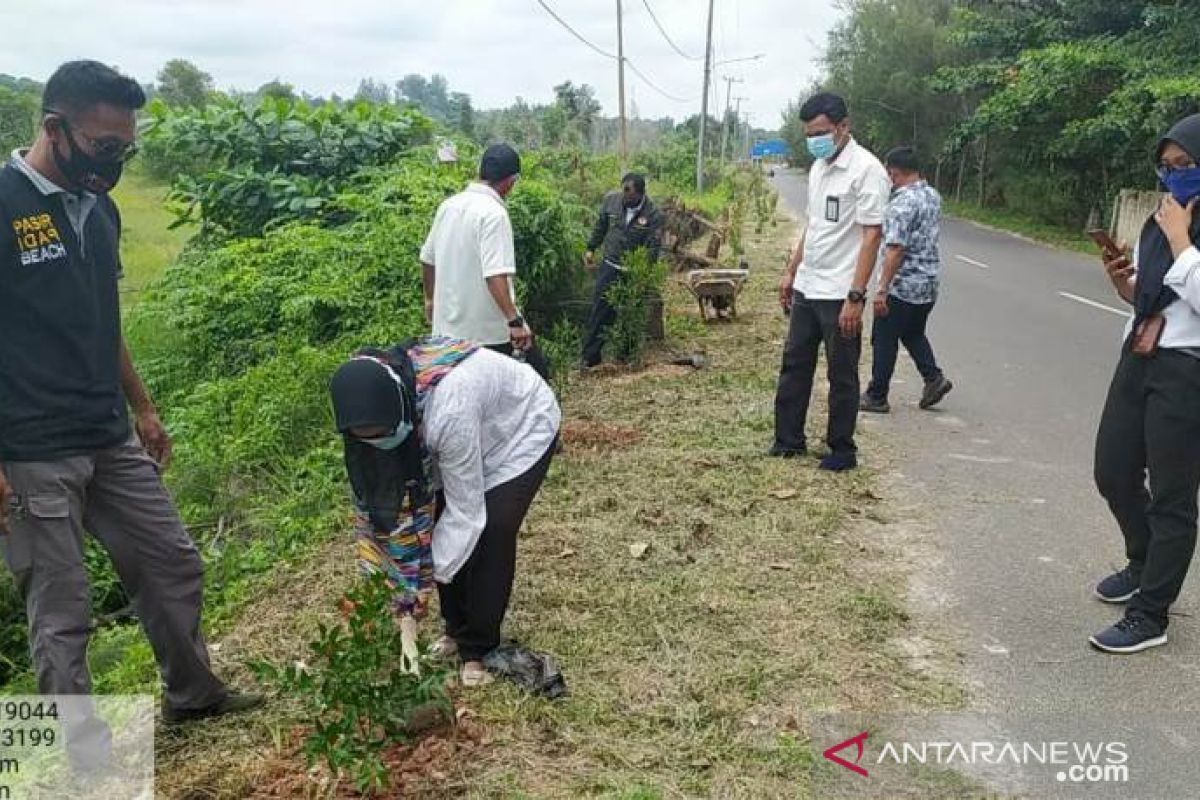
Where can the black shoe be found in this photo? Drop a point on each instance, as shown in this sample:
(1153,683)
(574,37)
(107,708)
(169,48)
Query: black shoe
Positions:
(935,390)
(1132,634)
(779,451)
(233,703)
(876,406)
(1120,587)
(839,462)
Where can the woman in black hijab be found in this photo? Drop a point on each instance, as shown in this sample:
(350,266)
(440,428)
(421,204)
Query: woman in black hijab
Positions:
(475,427)
(1148,446)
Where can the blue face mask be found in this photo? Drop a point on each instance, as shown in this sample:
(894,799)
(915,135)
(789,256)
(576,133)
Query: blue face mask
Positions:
(1182,183)
(822,146)
(391,442)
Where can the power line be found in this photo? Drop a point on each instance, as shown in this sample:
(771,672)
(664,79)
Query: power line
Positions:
(652,85)
(574,32)
(627,62)
(668,39)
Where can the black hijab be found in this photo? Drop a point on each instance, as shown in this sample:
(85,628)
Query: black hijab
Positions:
(378,389)
(1154,251)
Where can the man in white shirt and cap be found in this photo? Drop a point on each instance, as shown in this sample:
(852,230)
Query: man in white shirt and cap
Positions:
(469,259)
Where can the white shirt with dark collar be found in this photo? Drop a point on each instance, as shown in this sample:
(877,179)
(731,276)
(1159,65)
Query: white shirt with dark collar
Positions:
(843,196)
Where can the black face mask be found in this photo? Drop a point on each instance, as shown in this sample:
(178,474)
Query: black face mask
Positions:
(85,171)
(633,201)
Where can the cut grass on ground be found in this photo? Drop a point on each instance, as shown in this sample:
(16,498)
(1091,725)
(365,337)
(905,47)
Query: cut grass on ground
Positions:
(763,593)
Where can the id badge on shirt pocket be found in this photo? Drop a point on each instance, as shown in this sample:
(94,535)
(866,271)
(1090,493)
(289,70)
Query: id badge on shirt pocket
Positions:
(833,208)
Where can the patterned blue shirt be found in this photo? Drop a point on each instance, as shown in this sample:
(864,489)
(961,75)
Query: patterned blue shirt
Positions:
(912,219)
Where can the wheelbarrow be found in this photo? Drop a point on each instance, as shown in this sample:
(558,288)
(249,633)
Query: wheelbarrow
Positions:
(716,290)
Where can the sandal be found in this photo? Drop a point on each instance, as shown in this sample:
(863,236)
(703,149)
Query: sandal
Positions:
(444,647)
(474,675)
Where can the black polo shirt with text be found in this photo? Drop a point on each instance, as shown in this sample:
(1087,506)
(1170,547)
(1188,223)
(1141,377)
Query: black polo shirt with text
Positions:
(60,325)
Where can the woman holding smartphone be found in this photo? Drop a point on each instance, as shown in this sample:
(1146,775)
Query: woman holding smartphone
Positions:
(1148,447)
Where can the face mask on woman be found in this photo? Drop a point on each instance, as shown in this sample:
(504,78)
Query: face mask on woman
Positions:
(1182,182)
(392,441)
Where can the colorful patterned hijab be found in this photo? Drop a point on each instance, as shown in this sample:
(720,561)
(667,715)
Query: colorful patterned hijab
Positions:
(394,524)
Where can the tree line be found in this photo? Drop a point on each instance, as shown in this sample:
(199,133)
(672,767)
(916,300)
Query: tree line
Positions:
(1045,107)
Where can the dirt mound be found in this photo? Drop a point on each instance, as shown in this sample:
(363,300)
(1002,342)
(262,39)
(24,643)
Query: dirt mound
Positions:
(423,767)
(590,436)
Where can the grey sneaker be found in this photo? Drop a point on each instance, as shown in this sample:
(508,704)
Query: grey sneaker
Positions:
(1120,587)
(1132,634)
(873,404)
(233,703)
(935,390)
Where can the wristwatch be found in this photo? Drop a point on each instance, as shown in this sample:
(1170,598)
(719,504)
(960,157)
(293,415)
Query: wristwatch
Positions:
(517,322)
(857,296)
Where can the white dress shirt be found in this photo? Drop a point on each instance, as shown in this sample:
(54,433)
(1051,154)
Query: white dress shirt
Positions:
(843,196)
(489,421)
(471,240)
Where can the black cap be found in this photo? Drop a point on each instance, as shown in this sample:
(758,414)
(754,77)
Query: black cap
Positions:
(499,162)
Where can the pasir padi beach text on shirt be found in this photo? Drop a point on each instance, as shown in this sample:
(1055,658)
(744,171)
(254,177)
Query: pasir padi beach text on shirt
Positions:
(471,240)
(843,196)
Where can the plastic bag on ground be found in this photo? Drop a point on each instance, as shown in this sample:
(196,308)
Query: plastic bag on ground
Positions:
(536,673)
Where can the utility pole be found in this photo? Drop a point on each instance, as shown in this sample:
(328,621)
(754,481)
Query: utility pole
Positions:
(746,148)
(729,82)
(737,124)
(704,100)
(621,85)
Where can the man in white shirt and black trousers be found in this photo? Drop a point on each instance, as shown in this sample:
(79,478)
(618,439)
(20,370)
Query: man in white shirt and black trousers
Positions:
(468,262)
(825,284)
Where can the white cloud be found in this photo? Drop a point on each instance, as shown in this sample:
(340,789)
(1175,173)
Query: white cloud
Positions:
(494,50)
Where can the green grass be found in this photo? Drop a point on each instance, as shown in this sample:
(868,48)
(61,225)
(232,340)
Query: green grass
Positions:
(147,243)
(761,596)
(1023,224)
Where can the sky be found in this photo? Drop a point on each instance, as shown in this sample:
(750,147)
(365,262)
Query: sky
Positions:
(494,50)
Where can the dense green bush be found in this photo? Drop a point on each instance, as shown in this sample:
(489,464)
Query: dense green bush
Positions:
(633,296)
(241,169)
(238,338)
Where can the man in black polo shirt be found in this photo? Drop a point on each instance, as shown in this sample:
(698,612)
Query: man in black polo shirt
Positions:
(69,458)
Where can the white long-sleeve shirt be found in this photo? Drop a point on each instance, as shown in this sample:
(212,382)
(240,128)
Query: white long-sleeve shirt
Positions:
(1181,319)
(489,421)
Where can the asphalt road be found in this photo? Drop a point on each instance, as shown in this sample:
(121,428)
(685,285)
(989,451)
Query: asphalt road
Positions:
(1003,474)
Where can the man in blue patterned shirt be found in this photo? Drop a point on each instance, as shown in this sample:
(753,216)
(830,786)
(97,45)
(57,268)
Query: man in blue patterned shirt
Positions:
(908,285)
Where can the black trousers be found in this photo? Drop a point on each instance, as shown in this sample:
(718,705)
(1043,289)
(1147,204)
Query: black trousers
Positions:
(534,357)
(814,322)
(475,602)
(905,323)
(601,316)
(1150,429)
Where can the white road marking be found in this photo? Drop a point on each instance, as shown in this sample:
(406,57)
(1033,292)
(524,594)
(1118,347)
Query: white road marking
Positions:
(1094,304)
(979,459)
(972,262)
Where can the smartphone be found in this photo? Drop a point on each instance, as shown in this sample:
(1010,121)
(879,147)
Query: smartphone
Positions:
(1106,243)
